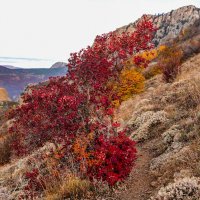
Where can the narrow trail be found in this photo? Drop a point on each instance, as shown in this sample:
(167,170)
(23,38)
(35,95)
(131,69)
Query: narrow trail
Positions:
(138,186)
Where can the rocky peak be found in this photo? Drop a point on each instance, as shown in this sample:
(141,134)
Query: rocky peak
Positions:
(171,24)
(59,65)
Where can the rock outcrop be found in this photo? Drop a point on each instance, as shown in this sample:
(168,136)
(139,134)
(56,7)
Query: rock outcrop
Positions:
(59,65)
(172,24)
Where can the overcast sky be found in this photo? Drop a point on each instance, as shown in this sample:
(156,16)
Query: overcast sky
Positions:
(51,29)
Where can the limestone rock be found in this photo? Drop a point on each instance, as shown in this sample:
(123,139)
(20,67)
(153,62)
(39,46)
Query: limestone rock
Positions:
(172,24)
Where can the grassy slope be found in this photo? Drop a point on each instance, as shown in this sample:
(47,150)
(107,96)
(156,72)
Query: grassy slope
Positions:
(165,122)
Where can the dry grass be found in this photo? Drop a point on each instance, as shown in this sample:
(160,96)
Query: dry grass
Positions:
(190,68)
(191,94)
(186,160)
(181,101)
(66,187)
(125,111)
(5,149)
(5,137)
(185,163)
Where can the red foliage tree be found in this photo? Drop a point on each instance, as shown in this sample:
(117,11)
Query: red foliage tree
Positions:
(77,104)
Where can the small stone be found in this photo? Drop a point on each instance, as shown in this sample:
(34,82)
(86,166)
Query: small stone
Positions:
(178,137)
(153,184)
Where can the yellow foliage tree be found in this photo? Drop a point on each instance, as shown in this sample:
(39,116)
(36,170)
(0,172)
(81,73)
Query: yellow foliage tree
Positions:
(152,54)
(130,82)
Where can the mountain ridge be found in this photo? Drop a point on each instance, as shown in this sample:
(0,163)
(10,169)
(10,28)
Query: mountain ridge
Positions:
(171,24)
(16,80)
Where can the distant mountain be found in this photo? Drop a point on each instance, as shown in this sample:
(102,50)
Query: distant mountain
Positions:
(59,65)
(16,80)
(4,69)
(10,67)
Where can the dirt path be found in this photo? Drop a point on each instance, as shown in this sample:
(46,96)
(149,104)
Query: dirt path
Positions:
(138,186)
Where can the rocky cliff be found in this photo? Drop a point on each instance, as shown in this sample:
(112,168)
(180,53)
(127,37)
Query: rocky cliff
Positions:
(183,21)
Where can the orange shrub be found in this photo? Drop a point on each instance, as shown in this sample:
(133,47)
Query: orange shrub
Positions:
(83,155)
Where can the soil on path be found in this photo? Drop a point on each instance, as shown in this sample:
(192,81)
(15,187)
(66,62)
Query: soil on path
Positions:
(139,183)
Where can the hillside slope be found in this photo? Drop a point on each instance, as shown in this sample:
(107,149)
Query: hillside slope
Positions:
(165,122)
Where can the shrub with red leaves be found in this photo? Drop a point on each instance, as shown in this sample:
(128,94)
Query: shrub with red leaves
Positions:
(79,103)
(34,185)
(115,156)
